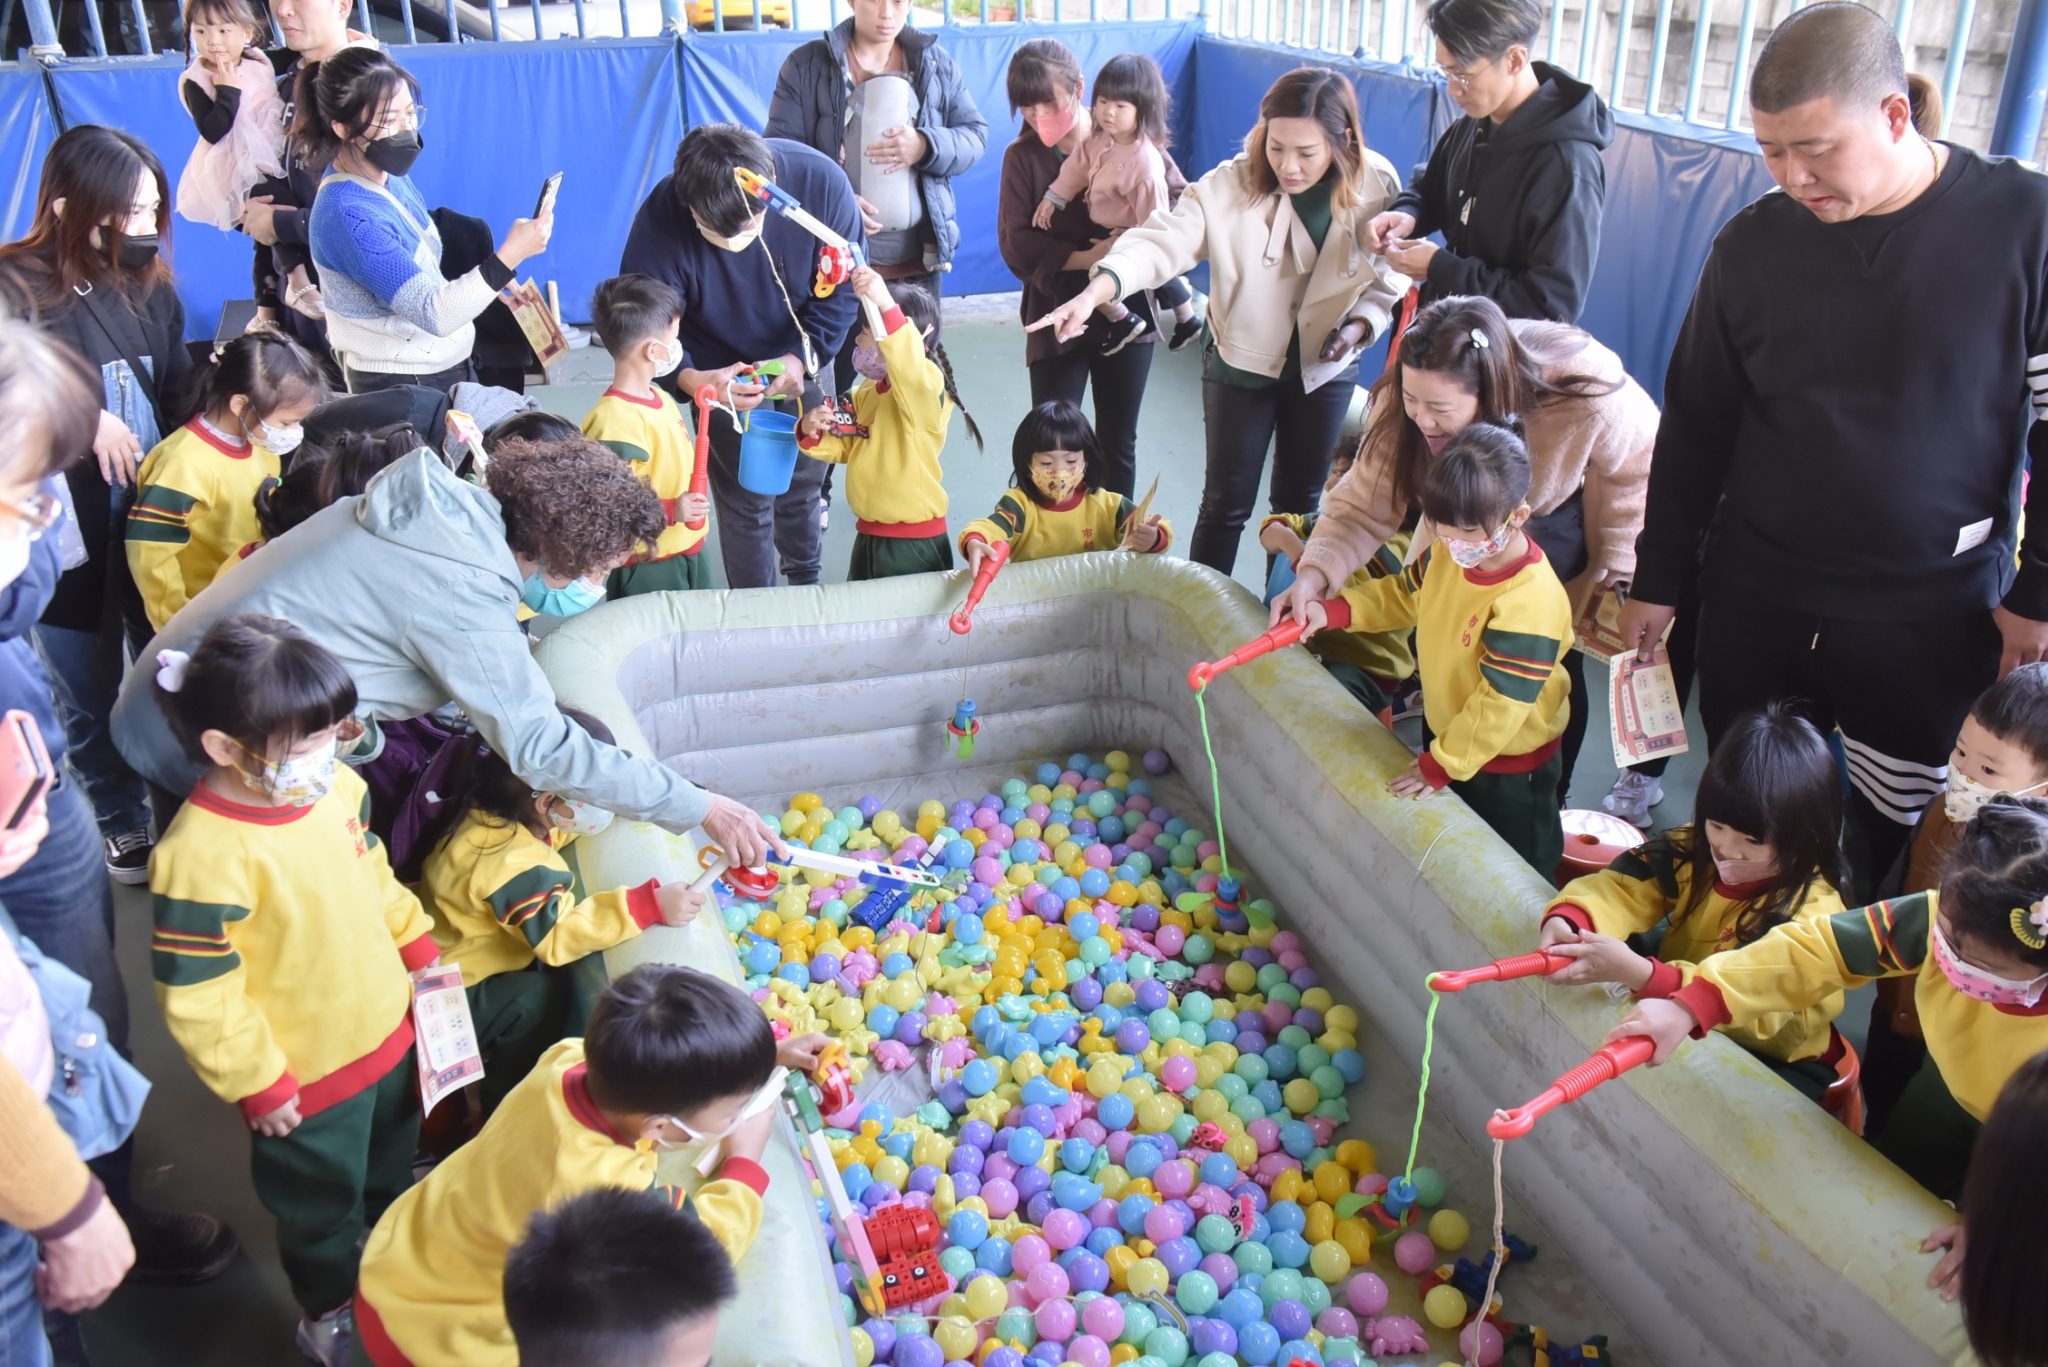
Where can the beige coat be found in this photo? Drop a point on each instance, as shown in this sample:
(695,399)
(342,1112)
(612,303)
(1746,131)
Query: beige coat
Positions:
(1601,444)
(1267,281)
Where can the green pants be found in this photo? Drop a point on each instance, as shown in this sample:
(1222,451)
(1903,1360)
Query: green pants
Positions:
(678,573)
(328,1181)
(885,557)
(1522,809)
(1929,1134)
(517,1017)
(1358,684)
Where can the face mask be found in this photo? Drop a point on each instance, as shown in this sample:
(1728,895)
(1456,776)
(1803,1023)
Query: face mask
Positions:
(136,251)
(671,358)
(1974,982)
(1738,873)
(578,595)
(580,819)
(279,441)
(1472,554)
(1057,485)
(1966,796)
(740,243)
(296,782)
(760,1101)
(1052,127)
(868,361)
(394,155)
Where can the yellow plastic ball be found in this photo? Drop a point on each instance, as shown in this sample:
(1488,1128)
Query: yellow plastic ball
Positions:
(1240,976)
(928,826)
(844,1014)
(1445,1307)
(1155,1115)
(887,824)
(810,802)
(974,835)
(1330,1261)
(904,993)
(1207,1071)
(1333,1181)
(1318,999)
(1147,1277)
(1210,1104)
(986,1298)
(1120,994)
(1118,761)
(1449,1230)
(1341,1018)
(1356,1237)
(956,1337)
(1055,835)
(892,1170)
(863,1348)
(791,822)
(1243,1150)
(1118,1356)
(1301,1096)
(1113,1179)
(932,807)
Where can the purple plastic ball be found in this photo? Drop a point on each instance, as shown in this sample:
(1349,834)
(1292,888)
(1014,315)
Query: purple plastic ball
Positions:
(868,806)
(1132,1036)
(1031,1181)
(1152,994)
(1086,994)
(925,1178)
(965,1184)
(919,1351)
(910,1028)
(882,1334)
(1291,1318)
(966,1159)
(1038,1207)
(1223,1268)
(1156,762)
(1179,1256)
(1207,1336)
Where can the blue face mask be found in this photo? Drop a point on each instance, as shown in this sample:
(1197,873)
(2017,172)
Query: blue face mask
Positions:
(578,595)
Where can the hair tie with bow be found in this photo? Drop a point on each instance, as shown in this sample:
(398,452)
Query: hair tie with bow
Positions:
(1479,339)
(171,666)
(2030,925)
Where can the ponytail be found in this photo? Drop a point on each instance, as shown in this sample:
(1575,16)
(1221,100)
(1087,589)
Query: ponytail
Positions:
(268,368)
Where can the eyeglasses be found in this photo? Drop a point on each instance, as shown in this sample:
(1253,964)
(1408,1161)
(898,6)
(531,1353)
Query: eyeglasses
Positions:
(35,516)
(1460,78)
(413,122)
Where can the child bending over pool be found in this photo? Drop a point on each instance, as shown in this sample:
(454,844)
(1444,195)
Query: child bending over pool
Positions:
(1056,507)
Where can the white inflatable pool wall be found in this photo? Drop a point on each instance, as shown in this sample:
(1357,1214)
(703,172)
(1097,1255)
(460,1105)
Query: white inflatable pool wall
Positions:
(1729,1220)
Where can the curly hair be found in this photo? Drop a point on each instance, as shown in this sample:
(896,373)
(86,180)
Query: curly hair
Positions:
(571,504)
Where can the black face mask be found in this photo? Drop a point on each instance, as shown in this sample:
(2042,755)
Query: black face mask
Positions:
(137,251)
(395,155)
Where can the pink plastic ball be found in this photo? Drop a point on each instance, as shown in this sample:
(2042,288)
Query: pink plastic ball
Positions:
(1048,1283)
(1030,1252)
(1171,939)
(1096,856)
(1264,1132)
(1366,1294)
(1413,1252)
(1103,1318)
(1091,1130)
(1276,1016)
(1065,1228)
(999,1196)
(1206,882)
(1178,1073)
(1102,1214)
(1293,961)
(1490,1346)
(1285,941)
(1000,1166)
(1338,1323)
(984,818)
(1088,1351)
(1208,849)
(1209,977)
(1118,1144)
(1175,1179)
(987,871)
(1055,1320)
(1223,1268)
(1163,1223)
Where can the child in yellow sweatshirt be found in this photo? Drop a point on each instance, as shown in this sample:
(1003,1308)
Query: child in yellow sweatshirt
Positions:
(673,1059)
(195,494)
(505,907)
(283,945)
(1056,507)
(638,319)
(905,401)
(1977,950)
(1764,849)
(1492,624)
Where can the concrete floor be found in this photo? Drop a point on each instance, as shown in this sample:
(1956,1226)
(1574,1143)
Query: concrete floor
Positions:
(192,1148)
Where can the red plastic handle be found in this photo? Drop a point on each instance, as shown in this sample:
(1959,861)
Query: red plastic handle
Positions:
(1499,971)
(998,555)
(1608,1062)
(1265,643)
(700,469)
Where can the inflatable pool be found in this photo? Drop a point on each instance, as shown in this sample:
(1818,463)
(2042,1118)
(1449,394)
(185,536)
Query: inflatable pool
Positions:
(1701,1213)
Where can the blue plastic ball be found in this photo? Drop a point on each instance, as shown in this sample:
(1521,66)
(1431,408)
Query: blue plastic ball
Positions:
(1026,1146)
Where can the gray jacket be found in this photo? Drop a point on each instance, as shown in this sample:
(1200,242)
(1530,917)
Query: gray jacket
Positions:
(413,587)
(810,107)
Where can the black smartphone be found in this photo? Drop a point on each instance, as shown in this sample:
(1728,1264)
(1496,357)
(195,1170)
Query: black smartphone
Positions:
(548,189)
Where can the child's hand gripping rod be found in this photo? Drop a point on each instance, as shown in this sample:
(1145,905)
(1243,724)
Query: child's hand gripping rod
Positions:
(837,257)
(869,873)
(700,471)
(998,556)
(1265,643)
(1608,1062)
(1499,971)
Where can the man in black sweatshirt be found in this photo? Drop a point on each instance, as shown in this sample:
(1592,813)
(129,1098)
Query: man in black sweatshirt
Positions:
(1516,186)
(1847,417)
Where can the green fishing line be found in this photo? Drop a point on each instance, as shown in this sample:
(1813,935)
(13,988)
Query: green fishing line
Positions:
(1215,775)
(1422,1090)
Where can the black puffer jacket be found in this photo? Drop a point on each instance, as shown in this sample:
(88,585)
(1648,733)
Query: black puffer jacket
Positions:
(810,107)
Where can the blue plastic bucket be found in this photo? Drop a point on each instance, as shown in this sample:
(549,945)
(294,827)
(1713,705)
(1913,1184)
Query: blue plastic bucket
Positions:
(768,452)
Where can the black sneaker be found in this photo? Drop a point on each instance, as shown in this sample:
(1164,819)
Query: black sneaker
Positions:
(179,1249)
(1121,332)
(1185,331)
(128,857)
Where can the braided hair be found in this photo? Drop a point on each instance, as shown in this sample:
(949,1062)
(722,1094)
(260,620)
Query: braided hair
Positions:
(921,307)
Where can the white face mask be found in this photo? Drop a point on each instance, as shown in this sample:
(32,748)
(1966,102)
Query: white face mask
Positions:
(737,243)
(580,819)
(279,441)
(1966,796)
(671,358)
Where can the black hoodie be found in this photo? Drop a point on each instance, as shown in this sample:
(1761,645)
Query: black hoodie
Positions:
(1518,203)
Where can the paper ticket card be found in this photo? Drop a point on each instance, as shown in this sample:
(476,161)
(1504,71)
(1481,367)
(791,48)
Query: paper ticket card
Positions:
(444,1035)
(1643,705)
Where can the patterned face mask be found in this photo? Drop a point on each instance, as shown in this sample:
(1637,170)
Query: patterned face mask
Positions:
(1966,796)
(1974,982)
(1057,485)
(580,818)
(868,361)
(297,782)
(1471,555)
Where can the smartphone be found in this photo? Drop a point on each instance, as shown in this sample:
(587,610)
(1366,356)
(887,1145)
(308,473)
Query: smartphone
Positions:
(25,772)
(548,189)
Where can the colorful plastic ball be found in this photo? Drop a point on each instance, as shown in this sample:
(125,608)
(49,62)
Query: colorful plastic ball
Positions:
(1178,1073)
(1167,1344)
(1485,1348)
(1139,1320)
(1414,1253)
(957,1262)
(1104,1318)
(1014,1325)
(1147,1277)
(1180,1256)
(1115,1111)
(1086,1271)
(863,1348)
(918,1352)
(986,1297)
(1429,1187)
(1157,762)
(1065,1229)
(1366,1294)
(1291,1318)
(1215,1234)
(956,1338)
(1445,1307)
(1258,1343)
(1449,1230)
(1330,1261)
(1054,1320)
(1252,1258)
(1196,1293)
(1163,1223)
(1026,1146)
(1000,1196)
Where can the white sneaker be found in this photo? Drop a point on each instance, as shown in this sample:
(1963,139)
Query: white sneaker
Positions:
(329,1339)
(1632,797)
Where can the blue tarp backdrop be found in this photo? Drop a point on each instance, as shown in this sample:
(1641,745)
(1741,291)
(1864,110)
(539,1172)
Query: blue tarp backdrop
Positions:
(609,113)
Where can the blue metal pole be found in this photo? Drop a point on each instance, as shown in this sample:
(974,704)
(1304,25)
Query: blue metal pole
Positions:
(362,20)
(1902,24)
(757,14)
(1407,15)
(1958,53)
(1738,76)
(1659,44)
(1622,23)
(42,27)
(1556,24)
(1386,47)
(496,36)
(1589,33)
(141,27)
(98,34)
(534,5)
(1702,35)
(405,11)
(2025,92)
